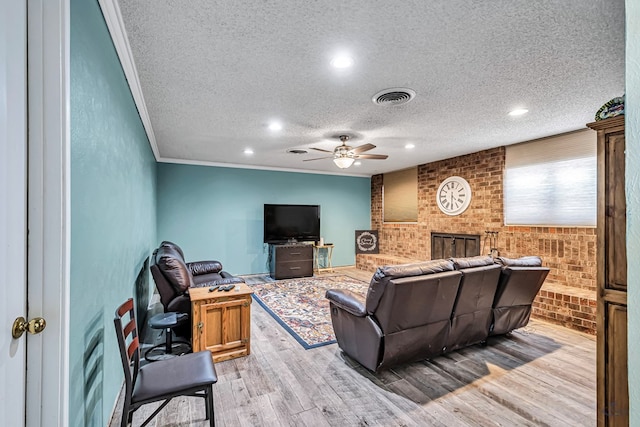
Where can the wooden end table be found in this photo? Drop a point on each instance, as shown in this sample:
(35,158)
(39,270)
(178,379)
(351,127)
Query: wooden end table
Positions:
(221,321)
(316,257)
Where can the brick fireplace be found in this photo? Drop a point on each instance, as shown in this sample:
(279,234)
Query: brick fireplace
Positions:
(568,296)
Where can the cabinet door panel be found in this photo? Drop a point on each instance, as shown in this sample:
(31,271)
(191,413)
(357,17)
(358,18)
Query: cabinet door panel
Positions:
(616,382)
(212,319)
(615,214)
(223,325)
(232,326)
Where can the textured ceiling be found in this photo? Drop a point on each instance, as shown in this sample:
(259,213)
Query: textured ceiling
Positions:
(215,73)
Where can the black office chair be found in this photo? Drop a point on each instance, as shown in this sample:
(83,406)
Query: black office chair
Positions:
(190,375)
(170,348)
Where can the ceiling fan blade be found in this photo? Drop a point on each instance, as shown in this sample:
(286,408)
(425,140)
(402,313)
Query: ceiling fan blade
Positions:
(319,158)
(372,156)
(363,148)
(320,149)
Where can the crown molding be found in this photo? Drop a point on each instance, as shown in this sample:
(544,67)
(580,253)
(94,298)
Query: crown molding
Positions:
(255,167)
(115,24)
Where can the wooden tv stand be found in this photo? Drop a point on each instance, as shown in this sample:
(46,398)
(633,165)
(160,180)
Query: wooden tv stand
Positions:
(289,261)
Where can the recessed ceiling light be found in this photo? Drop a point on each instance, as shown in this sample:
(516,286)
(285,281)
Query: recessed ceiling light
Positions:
(248,151)
(358,163)
(518,112)
(275,126)
(410,146)
(342,61)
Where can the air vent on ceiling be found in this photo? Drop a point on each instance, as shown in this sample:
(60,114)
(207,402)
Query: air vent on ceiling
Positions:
(394,96)
(296,151)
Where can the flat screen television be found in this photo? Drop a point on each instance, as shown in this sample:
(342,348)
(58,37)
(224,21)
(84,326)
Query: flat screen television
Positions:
(291,223)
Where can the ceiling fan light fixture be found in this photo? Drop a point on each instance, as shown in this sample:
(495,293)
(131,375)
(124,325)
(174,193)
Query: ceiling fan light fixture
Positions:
(343,162)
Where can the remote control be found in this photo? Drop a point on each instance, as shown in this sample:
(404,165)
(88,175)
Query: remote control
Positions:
(213,288)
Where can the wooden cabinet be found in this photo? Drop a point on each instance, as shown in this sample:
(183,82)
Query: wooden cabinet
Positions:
(221,321)
(613,390)
(290,261)
(445,245)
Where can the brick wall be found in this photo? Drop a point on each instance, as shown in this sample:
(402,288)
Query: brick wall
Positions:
(568,296)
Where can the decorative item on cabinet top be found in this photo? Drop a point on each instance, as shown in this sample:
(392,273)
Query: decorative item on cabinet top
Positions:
(612,108)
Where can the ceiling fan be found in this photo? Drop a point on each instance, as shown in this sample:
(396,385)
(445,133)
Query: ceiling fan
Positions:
(344,155)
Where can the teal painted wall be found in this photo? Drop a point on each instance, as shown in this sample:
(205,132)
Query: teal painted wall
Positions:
(113,223)
(214,212)
(632,139)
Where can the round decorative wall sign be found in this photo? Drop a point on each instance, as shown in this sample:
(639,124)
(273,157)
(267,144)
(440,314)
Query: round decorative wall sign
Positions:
(366,241)
(454,195)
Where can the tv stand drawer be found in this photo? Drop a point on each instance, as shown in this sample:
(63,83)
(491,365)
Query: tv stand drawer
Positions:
(294,253)
(290,261)
(291,269)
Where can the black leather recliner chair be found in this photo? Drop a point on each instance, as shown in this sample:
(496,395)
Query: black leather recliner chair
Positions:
(173,278)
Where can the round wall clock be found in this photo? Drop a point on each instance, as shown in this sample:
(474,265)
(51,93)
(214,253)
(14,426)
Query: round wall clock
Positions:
(454,195)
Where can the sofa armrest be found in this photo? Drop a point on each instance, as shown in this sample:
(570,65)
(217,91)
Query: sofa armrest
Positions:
(204,267)
(180,304)
(348,301)
(220,282)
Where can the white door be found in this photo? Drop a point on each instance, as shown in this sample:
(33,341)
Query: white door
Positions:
(47,393)
(34,266)
(13,213)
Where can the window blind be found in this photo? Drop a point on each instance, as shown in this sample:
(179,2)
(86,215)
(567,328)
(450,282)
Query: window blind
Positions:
(552,181)
(400,196)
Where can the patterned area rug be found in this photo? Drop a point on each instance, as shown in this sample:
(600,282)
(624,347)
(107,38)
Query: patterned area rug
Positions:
(300,307)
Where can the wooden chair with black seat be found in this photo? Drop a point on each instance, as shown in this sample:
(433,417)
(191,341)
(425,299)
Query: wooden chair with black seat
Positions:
(190,375)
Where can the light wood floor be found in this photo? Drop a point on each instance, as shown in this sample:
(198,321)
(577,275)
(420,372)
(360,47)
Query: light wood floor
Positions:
(541,375)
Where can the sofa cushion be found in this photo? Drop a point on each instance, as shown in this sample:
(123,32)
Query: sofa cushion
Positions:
(173,268)
(414,269)
(383,275)
(525,261)
(471,262)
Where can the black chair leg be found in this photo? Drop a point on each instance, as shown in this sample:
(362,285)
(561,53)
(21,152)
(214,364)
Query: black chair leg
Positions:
(127,416)
(209,406)
(168,343)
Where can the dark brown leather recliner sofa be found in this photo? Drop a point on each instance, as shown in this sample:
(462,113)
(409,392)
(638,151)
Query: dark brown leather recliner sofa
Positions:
(173,278)
(420,310)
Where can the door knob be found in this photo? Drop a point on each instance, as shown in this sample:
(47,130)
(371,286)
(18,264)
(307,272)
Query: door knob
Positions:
(33,326)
